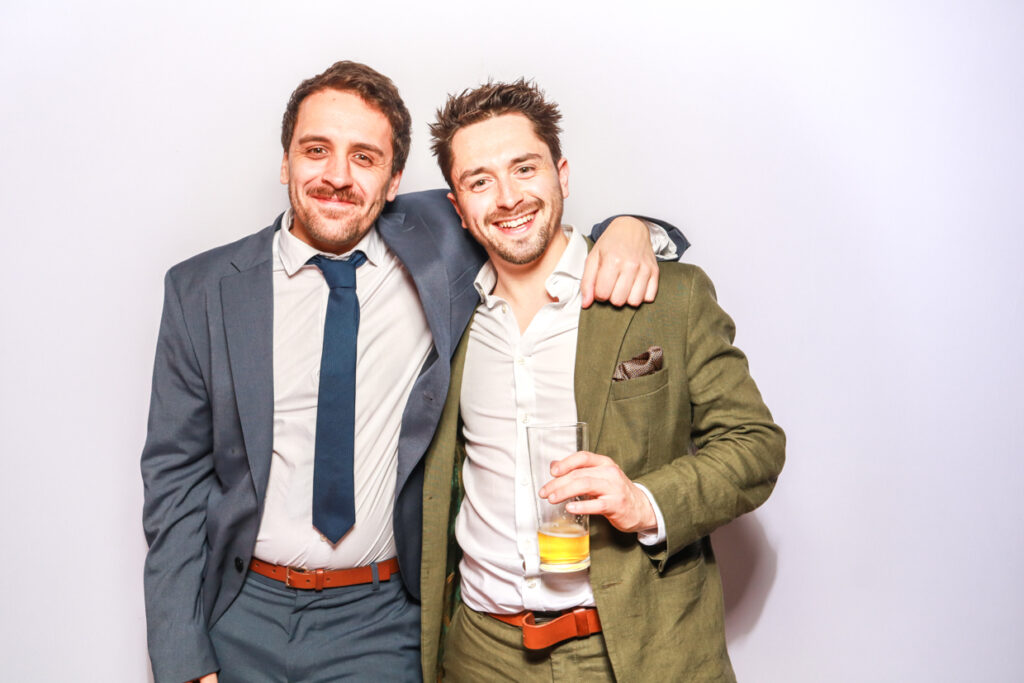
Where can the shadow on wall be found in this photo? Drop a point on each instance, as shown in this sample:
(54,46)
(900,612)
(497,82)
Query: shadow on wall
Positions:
(747,565)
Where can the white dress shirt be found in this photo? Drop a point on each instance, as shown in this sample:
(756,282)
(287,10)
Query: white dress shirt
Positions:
(512,380)
(393,342)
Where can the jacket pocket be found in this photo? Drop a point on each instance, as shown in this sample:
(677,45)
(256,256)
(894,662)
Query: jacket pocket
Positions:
(635,411)
(639,386)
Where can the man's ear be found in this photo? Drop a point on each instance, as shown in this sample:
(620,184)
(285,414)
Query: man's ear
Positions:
(563,176)
(455,203)
(284,169)
(393,186)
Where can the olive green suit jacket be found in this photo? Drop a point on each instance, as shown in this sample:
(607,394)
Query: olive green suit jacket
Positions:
(696,434)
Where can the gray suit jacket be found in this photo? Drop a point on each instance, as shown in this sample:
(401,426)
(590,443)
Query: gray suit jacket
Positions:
(207,455)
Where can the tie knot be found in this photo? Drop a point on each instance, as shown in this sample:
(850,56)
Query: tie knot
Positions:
(339,273)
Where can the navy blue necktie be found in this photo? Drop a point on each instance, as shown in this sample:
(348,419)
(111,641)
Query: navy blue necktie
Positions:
(334,507)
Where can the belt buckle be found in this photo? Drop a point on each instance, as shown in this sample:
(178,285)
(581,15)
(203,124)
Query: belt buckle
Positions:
(318,578)
(289,571)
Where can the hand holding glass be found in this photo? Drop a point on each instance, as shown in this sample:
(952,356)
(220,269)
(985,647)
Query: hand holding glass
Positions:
(563,538)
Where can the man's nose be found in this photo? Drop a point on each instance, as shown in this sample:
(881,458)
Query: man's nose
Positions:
(509,195)
(337,173)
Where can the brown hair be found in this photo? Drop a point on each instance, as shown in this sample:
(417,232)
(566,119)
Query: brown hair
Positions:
(375,88)
(494,99)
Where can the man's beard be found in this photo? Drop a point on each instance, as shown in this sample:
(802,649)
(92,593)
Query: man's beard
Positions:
(317,221)
(520,253)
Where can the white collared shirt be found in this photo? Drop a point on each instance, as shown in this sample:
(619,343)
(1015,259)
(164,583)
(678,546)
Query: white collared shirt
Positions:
(510,380)
(393,342)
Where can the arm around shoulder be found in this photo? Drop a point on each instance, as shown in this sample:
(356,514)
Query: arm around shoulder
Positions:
(622,267)
(673,233)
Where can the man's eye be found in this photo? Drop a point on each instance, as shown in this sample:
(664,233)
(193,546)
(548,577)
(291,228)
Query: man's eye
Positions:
(524,170)
(362,159)
(478,183)
(317,151)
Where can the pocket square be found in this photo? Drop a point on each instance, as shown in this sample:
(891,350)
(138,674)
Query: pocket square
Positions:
(647,363)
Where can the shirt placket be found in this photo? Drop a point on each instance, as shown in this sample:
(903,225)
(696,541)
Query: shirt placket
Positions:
(520,348)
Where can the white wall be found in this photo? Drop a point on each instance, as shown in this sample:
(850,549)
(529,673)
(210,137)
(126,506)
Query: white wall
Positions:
(849,174)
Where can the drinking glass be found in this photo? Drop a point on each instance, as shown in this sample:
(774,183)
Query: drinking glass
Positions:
(563,538)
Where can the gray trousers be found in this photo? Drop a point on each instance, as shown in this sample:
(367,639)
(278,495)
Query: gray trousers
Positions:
(275,634)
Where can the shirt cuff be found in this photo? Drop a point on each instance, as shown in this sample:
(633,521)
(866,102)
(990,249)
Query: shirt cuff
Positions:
(656,535)
(664,248)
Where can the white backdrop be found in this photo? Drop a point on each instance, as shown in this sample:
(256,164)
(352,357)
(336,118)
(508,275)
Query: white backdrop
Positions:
(849,174)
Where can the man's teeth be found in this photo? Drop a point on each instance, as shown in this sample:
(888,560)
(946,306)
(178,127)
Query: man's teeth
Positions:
(515,223)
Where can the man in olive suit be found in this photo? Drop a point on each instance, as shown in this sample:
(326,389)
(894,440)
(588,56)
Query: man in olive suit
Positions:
(682,440)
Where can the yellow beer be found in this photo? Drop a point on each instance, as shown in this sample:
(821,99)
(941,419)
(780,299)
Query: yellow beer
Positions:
(564,546)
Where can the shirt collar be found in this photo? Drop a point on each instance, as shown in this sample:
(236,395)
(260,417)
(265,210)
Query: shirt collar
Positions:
(562,284)
(294,253)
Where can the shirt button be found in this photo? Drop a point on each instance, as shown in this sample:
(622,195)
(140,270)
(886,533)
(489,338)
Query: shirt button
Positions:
(526,419)
(520,360)
(504,308)
(531,583)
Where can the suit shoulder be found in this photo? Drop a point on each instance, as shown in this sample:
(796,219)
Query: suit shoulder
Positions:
(682,274)
(683,285)
(430,211)
(218,260)
(430,208)
(424,200)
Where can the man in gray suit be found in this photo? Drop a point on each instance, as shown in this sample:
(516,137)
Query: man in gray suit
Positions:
(239,579)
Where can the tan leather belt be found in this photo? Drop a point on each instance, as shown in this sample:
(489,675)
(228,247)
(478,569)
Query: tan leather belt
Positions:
(578,623)
(318,579)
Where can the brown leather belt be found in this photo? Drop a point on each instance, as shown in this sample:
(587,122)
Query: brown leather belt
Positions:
(578,623)
(318,579)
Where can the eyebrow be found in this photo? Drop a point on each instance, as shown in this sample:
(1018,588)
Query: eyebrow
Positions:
(532,156)
(311,138)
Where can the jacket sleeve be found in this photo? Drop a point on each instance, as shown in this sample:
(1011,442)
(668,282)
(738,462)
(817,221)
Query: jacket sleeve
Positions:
(177,474)
(674,233)
(737,450)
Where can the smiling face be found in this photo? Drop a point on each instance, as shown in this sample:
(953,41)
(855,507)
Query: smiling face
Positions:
(508,189)
(338,170)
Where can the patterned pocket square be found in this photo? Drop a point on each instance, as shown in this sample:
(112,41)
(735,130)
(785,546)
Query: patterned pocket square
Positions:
(647,363)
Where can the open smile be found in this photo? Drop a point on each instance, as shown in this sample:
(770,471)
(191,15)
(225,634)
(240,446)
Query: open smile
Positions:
(518,224)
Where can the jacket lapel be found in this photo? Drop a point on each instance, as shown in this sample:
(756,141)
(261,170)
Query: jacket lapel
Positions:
(602,329)
(442,464)
(442,495)
(247,300)
(411,242)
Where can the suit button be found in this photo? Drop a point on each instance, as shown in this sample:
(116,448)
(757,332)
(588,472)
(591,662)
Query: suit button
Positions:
(239,565)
